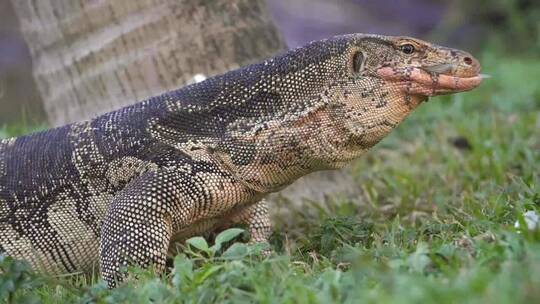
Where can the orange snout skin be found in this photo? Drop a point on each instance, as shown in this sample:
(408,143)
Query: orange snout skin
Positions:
(416,81)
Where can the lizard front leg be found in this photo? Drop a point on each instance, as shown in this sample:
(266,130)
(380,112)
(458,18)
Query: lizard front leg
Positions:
(137,227)
(144,216)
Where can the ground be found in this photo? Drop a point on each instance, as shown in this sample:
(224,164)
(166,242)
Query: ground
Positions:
(435,223)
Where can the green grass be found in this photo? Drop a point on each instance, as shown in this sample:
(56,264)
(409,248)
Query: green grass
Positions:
(435,222)
(8,131)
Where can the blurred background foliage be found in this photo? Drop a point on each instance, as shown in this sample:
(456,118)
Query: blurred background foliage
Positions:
(502,27)
(505,26)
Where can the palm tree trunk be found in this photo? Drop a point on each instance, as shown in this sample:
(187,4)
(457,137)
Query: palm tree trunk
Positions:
(94,56)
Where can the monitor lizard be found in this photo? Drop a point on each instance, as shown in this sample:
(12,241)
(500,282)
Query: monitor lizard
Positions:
(121,188)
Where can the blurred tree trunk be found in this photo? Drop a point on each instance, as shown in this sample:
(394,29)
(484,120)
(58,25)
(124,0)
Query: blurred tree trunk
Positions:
(93,56)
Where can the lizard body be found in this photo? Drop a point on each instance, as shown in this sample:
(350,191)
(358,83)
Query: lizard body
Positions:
(120,188)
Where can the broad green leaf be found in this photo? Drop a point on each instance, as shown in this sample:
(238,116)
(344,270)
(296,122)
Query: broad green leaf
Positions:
(228,235)
(206,272)
(224,237)
(183,270)
(257,248)
(236,251)
(199,243)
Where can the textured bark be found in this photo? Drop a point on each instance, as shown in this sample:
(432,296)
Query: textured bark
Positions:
(94,56)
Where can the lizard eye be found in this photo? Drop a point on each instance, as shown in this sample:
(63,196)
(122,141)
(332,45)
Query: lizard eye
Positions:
(407,48)
(358,62)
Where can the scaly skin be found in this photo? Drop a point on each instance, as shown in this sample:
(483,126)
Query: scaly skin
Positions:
(119,189)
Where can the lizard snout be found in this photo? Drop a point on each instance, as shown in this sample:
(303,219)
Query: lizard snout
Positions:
(453,71)
(467,65)
(461,64)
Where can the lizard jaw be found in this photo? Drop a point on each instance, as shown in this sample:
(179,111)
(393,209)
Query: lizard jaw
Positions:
(418,81)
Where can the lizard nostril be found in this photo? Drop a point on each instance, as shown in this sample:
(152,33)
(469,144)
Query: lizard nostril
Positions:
(468,60)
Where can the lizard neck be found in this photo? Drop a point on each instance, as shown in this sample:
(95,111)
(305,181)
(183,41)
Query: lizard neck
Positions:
(282,151)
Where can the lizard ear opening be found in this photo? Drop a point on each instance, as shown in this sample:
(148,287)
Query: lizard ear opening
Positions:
(357,62)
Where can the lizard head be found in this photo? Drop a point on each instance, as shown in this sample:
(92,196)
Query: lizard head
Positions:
(416,67)
(386,79)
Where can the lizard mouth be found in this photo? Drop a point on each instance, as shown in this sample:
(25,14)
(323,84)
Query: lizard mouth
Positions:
(432,80)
